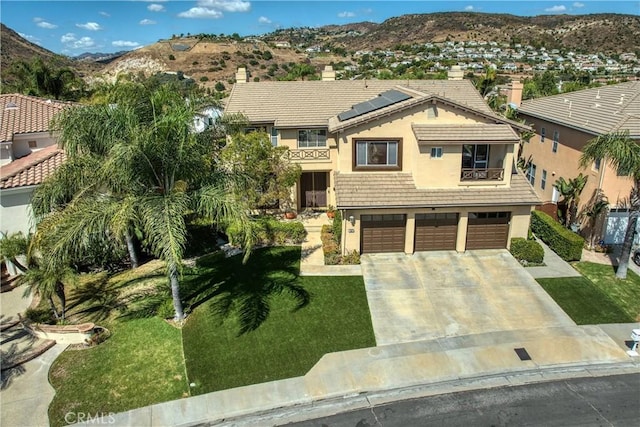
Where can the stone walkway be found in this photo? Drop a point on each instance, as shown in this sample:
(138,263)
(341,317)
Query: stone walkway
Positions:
(554,266)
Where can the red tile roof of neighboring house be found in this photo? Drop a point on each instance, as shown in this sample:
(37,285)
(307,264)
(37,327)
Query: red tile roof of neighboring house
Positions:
(21,114)
(31,169)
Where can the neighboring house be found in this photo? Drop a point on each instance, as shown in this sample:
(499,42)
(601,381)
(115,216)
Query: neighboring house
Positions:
(28,154)
(413,165)
(563,125)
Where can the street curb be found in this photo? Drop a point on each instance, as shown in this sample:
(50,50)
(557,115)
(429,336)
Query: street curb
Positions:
(329,406)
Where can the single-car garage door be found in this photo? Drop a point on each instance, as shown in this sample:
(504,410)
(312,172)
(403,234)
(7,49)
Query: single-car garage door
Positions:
(436,231)
(382,233)
(488,230)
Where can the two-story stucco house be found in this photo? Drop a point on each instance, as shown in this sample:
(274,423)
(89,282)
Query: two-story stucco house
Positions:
(413,165)
(28,154)
(563,125)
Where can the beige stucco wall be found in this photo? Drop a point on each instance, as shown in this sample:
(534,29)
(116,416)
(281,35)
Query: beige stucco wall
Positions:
(565,163)
(427,172)
(519,224)
(15,210)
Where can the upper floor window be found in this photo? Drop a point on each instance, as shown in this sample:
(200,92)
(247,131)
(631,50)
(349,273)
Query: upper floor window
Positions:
(475,156)
(543,133)
(377,154)
(596,164)
(274,137)
(543,181)
(556,139)
(312,138)
(531,174)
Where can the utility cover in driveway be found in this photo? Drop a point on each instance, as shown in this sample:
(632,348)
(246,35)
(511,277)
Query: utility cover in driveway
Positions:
(382,233)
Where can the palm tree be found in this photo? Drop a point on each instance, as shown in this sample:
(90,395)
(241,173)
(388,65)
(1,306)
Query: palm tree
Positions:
(623,154)
(13,246)
(594,211)
(45,279)
(42,79)
(570,191)
(152,176)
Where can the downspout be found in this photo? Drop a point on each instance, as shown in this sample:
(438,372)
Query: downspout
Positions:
(344,232)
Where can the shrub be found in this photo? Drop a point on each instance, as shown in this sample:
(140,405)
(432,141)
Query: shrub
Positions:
(529,251)
(39,315)
(204,79)
(166,310)
(269,231)
(567,244)
(172,58)
(330,248)
(337,227)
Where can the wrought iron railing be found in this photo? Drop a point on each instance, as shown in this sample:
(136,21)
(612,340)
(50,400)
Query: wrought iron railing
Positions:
(321,154)
(489,174)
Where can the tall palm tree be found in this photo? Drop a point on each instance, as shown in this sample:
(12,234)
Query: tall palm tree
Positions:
(570,191)
(153,175)
(623,154)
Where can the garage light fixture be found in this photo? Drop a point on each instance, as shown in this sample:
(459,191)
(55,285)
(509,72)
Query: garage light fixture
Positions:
(352,220)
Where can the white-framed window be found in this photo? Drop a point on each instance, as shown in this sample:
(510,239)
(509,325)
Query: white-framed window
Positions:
(274,136)
(436,152)
(531,174)
(596,164)
(543,179)
(312,138)
(556,139)
(377,153)
(543,133)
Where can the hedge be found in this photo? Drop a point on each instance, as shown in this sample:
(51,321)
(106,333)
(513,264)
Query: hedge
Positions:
(567,244)
(529,251)
(269,231)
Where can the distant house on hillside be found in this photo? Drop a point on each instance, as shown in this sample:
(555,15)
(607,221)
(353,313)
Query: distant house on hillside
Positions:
(28,155)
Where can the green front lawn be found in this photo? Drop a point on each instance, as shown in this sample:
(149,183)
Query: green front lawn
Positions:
(248,323)
(597,297)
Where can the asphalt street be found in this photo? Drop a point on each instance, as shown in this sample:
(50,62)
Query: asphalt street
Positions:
(602,401)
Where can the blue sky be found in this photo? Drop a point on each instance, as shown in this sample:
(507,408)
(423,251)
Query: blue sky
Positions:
(74,27)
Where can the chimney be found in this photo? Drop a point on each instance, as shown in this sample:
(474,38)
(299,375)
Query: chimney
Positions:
(455,73)
(241,75)
(328,74)
(514,93)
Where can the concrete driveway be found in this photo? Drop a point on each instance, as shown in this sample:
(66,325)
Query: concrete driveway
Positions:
(442,294)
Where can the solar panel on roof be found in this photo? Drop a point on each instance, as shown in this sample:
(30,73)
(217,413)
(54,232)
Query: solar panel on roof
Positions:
(385,99)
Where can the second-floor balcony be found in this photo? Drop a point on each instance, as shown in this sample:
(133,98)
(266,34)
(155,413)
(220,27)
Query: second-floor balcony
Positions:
(310,155)
(482,174)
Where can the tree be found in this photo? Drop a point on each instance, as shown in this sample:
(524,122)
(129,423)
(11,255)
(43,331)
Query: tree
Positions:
(159,171)
(570,191)
(45,80)
(269,173)
(623,154)
(13,246)
(595,209)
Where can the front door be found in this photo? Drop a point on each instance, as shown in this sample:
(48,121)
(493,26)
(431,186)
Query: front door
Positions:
(313,189)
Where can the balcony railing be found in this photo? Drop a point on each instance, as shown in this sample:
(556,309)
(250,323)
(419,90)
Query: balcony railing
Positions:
(309,154)
(490,174)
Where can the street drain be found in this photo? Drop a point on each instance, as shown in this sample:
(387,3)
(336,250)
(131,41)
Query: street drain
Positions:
(522,353)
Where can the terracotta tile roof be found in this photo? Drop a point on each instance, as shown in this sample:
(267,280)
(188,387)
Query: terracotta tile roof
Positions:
(596,111)
(388,190)
(485,133)
(26,114)
(31,169)
(313,103)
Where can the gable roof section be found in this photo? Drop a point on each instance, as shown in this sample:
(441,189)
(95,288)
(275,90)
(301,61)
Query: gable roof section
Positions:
(313,103)
(21,114)
(32,169)
(389,190)
(596,111)
(484,133)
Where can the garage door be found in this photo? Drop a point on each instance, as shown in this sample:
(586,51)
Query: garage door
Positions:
(436,231)
(382,233)
(488,230)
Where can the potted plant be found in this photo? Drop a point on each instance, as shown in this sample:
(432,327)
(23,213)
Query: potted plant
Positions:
(331,212)
(289,214)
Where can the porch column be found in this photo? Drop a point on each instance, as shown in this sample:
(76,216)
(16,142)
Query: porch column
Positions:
(461,241)
(409,234)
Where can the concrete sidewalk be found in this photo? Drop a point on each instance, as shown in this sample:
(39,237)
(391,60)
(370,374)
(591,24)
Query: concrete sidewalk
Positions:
(312,260)
(441,362)
(554,266)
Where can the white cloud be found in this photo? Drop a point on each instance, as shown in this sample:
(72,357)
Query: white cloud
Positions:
(105,14)
(226,5)
(346,14)
(147,22)
(44,24)
(125,43)
(156,8)
(201,12)
(29,37)
(71,42)
(264,20)
(91,26)
(468,8)
(556,9)
(578,5)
